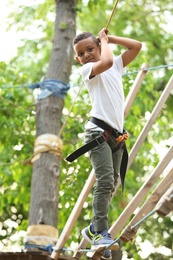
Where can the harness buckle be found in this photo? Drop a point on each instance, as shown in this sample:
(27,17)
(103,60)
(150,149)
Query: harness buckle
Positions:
(122,137)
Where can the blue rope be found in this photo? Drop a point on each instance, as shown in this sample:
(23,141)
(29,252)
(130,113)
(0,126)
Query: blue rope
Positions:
(152,68)
(51,87)
(47,248)
(159,67)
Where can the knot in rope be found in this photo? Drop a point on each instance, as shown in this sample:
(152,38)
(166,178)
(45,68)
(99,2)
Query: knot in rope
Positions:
(51,87)
(47,143)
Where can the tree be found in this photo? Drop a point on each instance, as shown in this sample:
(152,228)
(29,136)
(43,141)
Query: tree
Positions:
(46,168)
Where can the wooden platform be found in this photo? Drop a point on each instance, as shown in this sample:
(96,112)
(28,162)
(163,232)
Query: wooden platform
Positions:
(30,256)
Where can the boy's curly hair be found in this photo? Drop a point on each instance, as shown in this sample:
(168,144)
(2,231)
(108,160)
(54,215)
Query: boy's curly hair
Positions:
(83,36)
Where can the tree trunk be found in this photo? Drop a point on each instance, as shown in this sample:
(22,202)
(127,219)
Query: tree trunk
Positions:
(46,169)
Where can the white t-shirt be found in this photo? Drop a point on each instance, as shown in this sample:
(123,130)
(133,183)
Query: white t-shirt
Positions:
(106,94)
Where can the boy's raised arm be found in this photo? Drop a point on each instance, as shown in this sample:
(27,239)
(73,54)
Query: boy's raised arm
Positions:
(133,47)
(106,57)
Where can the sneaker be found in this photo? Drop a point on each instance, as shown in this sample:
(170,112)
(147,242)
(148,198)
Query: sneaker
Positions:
(104,240)
(88,233)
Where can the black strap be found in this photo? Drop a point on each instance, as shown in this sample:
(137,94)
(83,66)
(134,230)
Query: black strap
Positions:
(85,148)
(123,167)
(105,126)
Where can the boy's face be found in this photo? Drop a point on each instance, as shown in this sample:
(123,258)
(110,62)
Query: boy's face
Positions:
(87,51)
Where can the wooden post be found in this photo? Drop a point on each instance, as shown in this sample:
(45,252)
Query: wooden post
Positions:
(135,88)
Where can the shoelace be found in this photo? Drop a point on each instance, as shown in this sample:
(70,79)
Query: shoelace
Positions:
(108,235)
(99,236)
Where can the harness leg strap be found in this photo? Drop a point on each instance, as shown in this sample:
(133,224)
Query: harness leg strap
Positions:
(85,148)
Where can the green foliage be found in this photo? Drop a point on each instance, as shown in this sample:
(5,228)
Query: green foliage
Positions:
(17,124)
(142,20)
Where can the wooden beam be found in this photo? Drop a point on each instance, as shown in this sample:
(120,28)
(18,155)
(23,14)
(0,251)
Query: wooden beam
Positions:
(147,127)
(135,88)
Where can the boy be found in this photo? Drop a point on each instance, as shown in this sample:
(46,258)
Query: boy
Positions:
(102,74)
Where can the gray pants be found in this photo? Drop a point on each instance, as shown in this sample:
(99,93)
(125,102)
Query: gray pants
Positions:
(107,167)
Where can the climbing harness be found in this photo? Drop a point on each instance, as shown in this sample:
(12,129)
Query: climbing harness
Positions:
(119,137)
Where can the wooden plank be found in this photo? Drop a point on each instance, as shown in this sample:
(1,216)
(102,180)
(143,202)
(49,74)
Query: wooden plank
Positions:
(148,206)
(139,196)
(135,88)
(82,245)
(74,215)
(30,256)
(96,254)
(23,256)
(147,127)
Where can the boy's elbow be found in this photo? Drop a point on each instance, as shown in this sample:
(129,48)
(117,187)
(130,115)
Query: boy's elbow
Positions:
(139,46)
(110,62)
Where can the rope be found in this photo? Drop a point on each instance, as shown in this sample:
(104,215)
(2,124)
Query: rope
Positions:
(112,14)
(51,87)
(65,122)
(152,68)
(47,143)
(132,228)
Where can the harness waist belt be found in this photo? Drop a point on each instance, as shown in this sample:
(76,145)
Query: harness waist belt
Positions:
(85,148)
(106,127)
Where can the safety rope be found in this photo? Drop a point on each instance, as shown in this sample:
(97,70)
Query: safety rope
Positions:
(146,69)
(113,10)
(65,122)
